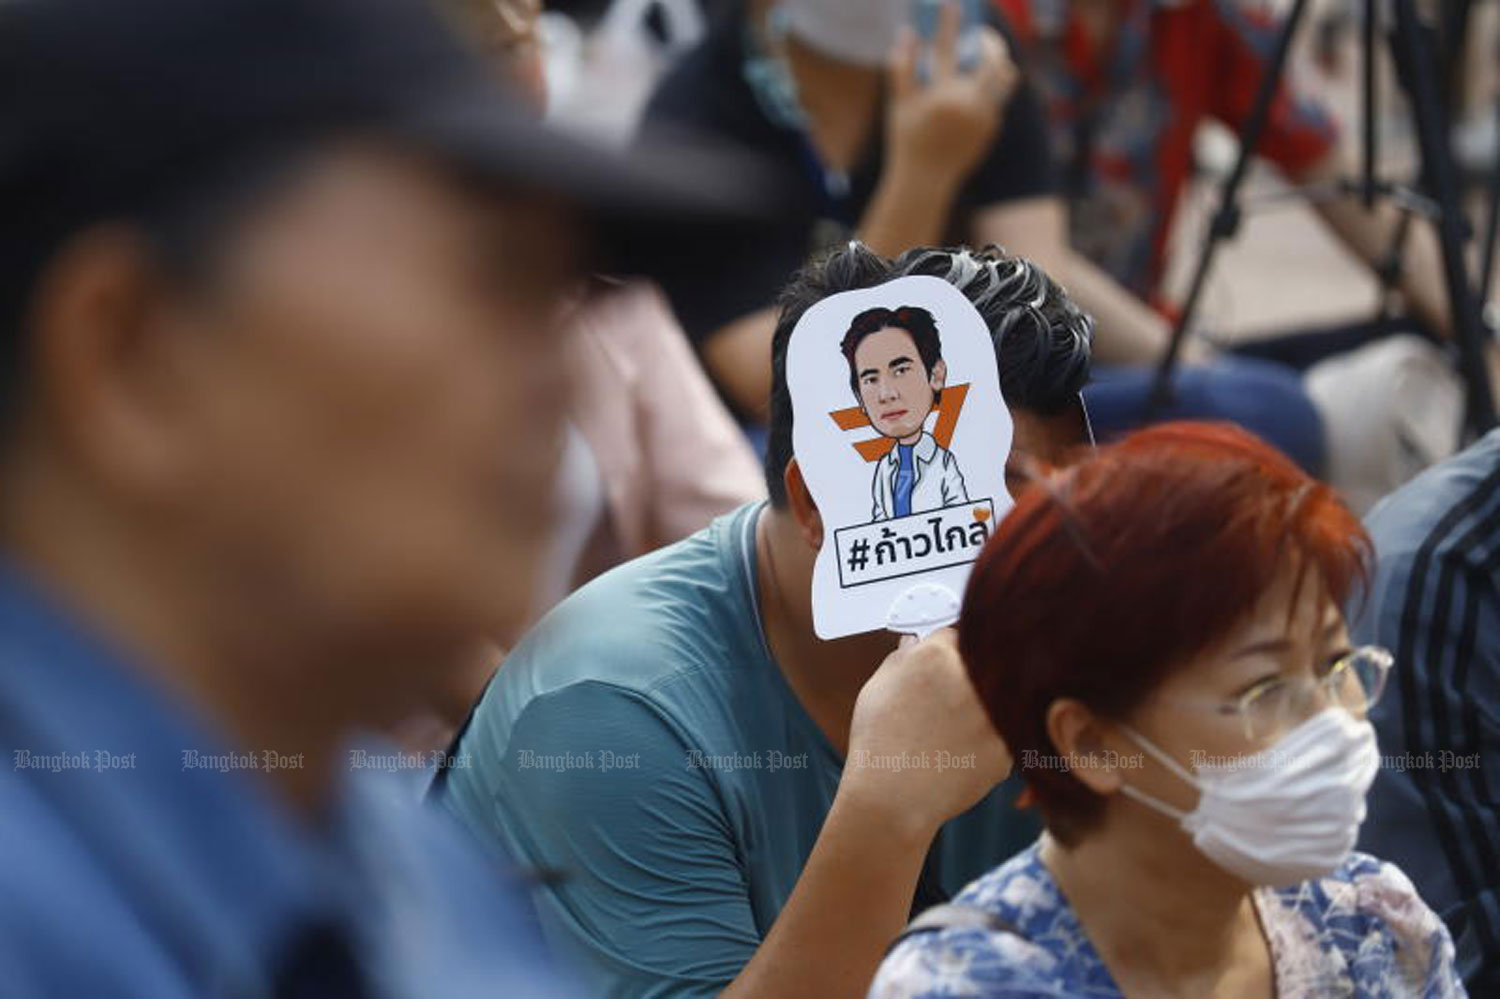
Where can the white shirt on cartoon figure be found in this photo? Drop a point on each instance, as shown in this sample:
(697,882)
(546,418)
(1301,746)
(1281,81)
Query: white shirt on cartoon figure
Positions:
(939,482)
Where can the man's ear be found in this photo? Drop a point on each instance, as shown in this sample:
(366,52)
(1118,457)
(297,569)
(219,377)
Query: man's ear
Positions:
(804,510)
(1083,744)
(100,372)
(939,375)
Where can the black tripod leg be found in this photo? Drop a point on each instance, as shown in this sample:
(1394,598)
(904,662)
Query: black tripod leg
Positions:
(1410,47)
(1369,106)
(1492,225)
(1227,218)
(1388,270)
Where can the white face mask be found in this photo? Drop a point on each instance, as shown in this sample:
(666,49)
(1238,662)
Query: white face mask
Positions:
(1286,814)
(861,32)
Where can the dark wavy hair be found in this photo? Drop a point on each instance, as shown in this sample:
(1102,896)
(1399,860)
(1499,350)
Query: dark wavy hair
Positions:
(1043,342)
(916,321)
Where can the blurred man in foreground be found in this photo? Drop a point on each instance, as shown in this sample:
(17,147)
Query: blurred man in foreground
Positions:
(280,400)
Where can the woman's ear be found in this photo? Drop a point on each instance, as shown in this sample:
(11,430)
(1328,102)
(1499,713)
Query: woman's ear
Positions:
(804,510)
(1081,740)
(939,376)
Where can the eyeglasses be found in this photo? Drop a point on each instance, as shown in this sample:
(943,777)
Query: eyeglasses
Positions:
(1277,704)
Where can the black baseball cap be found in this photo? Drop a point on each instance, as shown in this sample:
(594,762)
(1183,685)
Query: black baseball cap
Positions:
(102,100)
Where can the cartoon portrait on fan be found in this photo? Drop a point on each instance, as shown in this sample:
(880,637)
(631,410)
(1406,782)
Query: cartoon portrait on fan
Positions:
(909,479)
(896,369)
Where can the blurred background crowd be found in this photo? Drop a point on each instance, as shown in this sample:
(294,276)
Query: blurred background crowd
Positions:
(393,394)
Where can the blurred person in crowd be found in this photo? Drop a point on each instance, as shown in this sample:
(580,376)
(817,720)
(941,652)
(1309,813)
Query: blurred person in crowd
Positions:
(653,455)
(280,403)
(506,33)
(649,453)
(648,456)
(1435,807)
(1199,752)
(1126,84)
(619,745)
(834,91)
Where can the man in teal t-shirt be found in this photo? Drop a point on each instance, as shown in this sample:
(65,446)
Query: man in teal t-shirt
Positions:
(671,741)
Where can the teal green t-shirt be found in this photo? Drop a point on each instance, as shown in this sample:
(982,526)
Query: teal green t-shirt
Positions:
(642,742)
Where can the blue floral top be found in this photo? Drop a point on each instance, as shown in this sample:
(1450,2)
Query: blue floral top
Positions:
(1362,932)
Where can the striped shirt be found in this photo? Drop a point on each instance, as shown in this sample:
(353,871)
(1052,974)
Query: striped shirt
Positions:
(1435,807)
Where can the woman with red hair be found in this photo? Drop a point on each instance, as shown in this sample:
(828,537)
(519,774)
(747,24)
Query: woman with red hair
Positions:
(1157,634)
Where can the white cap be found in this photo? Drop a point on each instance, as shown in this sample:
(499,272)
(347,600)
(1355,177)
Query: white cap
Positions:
(861,32)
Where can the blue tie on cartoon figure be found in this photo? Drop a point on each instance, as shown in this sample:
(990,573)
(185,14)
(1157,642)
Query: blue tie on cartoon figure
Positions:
(906,478)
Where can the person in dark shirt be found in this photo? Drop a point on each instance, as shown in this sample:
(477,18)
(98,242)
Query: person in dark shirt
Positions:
(899,168)
(1435,603)
(877,153)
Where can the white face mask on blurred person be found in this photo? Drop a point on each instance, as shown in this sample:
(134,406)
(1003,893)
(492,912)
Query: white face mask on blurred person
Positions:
(1286,814)
(861,32)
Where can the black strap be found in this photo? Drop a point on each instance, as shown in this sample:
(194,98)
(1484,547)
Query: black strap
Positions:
(954,916)
(440,773)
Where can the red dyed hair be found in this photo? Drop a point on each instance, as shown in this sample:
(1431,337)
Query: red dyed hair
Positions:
(1109,576)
